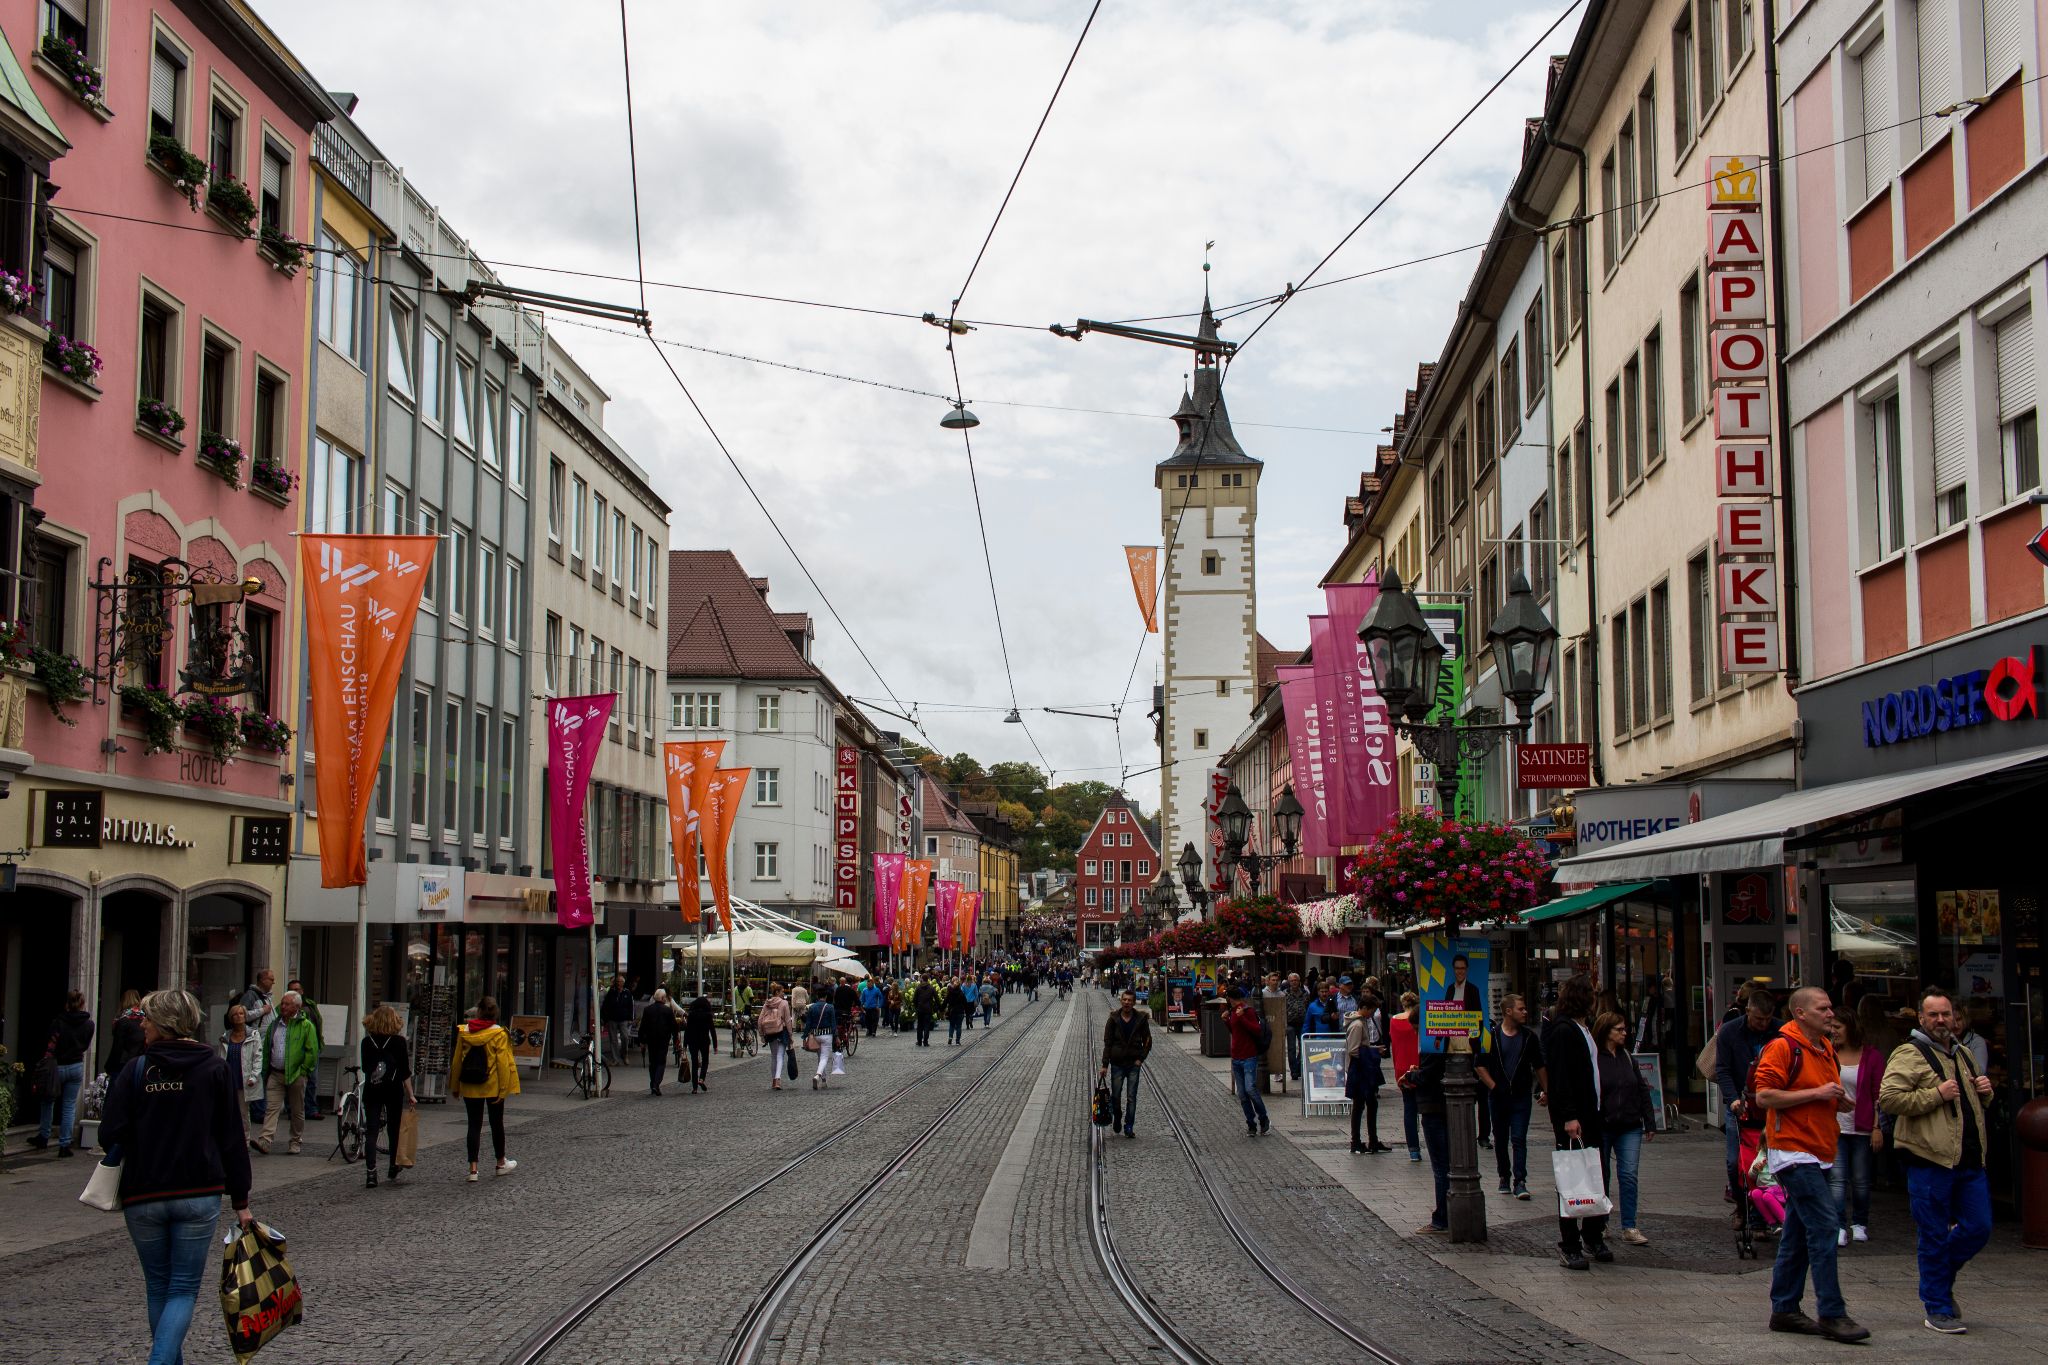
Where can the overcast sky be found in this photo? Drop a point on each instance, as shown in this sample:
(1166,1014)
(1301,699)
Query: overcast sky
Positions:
(855,153)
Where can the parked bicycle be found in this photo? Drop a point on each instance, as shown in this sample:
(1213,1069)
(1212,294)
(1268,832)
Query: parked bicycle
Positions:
(591,1074)
(348,1118)
(746,1036)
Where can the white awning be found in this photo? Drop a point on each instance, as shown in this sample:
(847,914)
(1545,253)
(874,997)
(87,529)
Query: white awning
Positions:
(1755,837)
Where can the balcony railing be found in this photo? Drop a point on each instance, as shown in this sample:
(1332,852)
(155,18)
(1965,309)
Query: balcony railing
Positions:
(342,161)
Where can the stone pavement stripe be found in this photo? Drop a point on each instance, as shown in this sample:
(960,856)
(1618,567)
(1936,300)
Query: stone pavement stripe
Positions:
(989,1246)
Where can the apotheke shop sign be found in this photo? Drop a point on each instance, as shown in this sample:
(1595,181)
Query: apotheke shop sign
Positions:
(2009,690)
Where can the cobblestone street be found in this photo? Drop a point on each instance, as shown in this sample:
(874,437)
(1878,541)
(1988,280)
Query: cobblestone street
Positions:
(976,1249)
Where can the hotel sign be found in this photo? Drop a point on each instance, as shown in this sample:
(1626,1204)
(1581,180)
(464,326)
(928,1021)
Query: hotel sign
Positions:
(1745,463)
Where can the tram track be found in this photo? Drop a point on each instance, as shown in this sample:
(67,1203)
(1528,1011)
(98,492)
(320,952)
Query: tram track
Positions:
(752,1331)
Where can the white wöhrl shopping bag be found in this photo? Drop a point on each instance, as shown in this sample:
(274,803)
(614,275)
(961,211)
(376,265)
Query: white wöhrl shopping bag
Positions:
(1580,1193)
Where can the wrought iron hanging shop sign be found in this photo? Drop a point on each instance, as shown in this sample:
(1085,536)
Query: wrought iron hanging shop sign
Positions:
(136,622)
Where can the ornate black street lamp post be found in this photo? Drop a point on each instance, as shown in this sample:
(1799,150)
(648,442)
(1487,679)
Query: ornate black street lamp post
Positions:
(1236,818)
(1191,877)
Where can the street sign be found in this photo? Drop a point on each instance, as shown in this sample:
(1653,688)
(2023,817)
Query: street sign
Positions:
(1547,767)
(2038,546)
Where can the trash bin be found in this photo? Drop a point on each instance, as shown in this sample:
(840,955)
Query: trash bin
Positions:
(2031,1127)
(1215,1032)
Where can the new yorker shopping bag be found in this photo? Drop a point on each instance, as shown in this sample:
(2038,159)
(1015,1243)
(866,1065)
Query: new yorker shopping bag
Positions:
(1580,1191)
(259,1295)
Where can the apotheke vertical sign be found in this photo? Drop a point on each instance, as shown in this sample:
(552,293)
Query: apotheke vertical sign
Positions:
(1745,467)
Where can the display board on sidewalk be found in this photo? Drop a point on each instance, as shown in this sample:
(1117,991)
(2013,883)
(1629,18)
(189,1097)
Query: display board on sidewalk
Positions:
(1322,1073)
(529,1039)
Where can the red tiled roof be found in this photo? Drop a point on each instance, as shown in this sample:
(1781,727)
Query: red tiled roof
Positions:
(1270,657)
(720,624)
(940,812)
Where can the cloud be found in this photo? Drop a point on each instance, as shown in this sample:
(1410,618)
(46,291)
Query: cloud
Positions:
(856,152)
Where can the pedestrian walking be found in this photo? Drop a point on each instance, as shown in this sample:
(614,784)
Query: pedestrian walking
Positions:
(242,1050)
(700,1039)
(387,1087)
(1297,997)
(820,1024)
(991,990)
(1519,1082)
(800,999)
(1426,1083)
(485,1074)
(870,1006)
(1861,1137)
(124,1040)
(1126,1043)
(970,990)
(957,1006)
(657,1035)
(172,1119)
(1737,1044)
(1936,1093)
(892,1008)
(1627,1119)
(1364,1038)
(1250,1036)
(924,1003)
(255,999)
(773,1027)
(1405,1045)
(70,1040)
(1799,1087)
(1575,1115)
(291,1049)
(846,1014)
(311,1012)
(617,1014)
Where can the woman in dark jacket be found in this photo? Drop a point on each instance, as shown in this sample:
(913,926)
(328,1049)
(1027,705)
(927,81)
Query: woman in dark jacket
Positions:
(956,1012)
(124,1039)
(657,1035)
(387,1085)
(700,1036)
(171,1125)
(70,1039)
(1575,1112)
(1627,1118)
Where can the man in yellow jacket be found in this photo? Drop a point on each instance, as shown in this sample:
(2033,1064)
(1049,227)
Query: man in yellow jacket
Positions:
(1933,1088)
(483,1071)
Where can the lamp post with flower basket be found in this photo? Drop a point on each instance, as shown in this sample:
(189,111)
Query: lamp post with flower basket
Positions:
(1406,658)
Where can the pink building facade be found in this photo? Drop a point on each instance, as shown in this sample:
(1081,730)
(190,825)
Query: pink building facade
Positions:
(163,554)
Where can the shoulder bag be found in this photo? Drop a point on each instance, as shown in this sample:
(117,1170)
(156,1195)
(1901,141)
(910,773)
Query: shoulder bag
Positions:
(103,1188)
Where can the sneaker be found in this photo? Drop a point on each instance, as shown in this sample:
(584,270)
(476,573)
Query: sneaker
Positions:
(507,1166)
(1634,1237)
(63,1151)
(1842,1238)
(1947,1323)
(1414,1155)
(1602,1252)
(1859,1233)
(258,1148)
(39,1143)
(1506,1188)
(370,1180)
(1129,1134)
(292,1150)
(1844,1328)
(1571,1258)
(472,1175)
(1794,1322)
(1430,1230)
(1265,1124)
(1251,1130)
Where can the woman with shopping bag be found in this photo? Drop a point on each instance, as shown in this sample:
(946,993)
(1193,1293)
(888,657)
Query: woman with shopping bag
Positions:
(773,1027)
(1574,1103)
(387,1087)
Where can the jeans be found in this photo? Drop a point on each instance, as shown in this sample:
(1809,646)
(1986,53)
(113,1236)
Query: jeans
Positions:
(1850,1180)
(1808,1242)
(282,1101)
(174,1241)
(953,1030)
(1123,1097)
(988,1008)
(1408,1121)
(70,1076)
(1732,1134)
(1294,1052)
(1953,1209)
(1244,1078)
(924,1030)
(1511,1131)
(477,1110)
(1436,1133)
(700,1062)
(869,1017)
(657,1068)
(385,1111)
(1624,1150)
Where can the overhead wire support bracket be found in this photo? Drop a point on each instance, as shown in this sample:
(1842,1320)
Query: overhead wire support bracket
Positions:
(479,290)
(1083,326)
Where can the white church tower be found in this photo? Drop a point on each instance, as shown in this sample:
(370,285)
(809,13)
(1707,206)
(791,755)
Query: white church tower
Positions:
(1208,508)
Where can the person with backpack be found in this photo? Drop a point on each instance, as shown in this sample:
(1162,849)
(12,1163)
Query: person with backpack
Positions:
(64,1063)
(1250,1036)
(773,1028)
(1936,1094)
(1798,1085)
(483,1071)
(387,1087)
(821,1023)
(1737,1044)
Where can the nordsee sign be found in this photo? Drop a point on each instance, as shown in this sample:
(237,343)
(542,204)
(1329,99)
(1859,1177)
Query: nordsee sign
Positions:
(2009,690)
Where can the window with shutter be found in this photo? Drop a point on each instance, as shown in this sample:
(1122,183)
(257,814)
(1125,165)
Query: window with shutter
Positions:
(1880,143)
(2018,426)
(2005,40)
(272,205)
(164,70)
(1951,444)
(1940,63)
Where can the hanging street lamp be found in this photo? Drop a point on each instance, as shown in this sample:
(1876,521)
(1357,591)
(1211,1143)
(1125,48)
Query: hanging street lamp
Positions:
(1236,819)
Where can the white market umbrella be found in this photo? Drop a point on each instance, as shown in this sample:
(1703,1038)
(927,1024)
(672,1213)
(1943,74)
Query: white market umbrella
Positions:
(756,945)
(846,966)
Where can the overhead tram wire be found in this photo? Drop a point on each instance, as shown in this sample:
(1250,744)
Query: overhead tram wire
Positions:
(959,395)
(633,161)
(1409,174)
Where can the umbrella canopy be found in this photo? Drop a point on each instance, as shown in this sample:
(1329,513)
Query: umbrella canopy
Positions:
(846,966)
(755,945)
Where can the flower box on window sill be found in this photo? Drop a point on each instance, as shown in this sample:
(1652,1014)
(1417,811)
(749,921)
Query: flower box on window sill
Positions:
(68,65)
(270,494)
(229,201)
(91,393)
(285,253)
(179,166)
(172,444)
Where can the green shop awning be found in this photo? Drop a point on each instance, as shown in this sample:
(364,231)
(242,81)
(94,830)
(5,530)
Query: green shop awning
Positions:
(1583,901)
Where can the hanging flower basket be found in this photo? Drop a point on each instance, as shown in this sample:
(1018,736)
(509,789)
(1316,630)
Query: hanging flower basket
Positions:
(222,455)
(17,646)
(287,253)
(266,734)
(17,292)
(231,200)
(159,418)
(1333,915)
(64,679)
(1260,923)
(186,170)
(216,725)
(75,360)
(157,711)
(88,83)
(1422,867)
